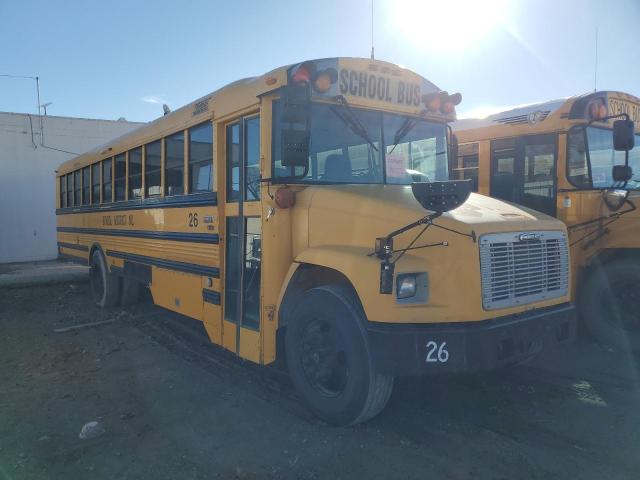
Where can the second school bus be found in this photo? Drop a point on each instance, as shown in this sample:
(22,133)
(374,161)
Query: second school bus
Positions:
(308,209)
(558,157)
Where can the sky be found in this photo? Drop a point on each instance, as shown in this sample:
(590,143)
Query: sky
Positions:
(118,58)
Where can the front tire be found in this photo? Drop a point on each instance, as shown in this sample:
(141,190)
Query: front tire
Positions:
(610,302)
(329,360)
(105,286)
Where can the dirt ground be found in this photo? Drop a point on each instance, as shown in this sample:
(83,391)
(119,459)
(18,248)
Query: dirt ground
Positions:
(174,406)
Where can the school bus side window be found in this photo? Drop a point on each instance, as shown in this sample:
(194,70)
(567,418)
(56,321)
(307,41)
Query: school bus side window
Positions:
(121,177)
(86,185)
(174,164)
(95,183)
(69,177)
(77,185)
(63,191)
(153,166)
(135,173)
(201,158)
(106,180)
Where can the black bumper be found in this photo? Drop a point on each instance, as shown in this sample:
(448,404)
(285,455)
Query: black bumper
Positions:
(418,349)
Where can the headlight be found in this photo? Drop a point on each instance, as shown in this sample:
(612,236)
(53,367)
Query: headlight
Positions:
(406,286)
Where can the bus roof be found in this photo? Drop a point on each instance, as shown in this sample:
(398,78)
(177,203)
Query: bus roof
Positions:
(553,115)
(242,95)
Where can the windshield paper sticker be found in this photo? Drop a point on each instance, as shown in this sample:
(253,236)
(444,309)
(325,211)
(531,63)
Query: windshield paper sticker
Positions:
(396,165)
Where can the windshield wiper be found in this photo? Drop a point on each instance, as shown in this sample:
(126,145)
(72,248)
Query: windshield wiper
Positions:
(352,121)
(403,131)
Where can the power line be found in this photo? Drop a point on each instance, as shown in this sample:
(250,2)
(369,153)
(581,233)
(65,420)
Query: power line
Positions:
(17,76)
(37,80)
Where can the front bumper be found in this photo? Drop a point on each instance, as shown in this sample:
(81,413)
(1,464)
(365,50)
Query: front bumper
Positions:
(418,349)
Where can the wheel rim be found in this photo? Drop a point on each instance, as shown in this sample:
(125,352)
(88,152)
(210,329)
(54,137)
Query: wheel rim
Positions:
(324,358)
(97,285)
(623,306)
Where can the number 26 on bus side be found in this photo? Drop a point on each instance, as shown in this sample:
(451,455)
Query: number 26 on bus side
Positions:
(437,353)
(193,219)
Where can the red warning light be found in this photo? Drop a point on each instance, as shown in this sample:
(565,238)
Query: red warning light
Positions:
(597,109)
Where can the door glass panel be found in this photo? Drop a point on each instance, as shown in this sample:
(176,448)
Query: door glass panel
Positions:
(538,170)
(232,272)
(252,165)
(503,159)
(233,163)
(467,164)
(251,274)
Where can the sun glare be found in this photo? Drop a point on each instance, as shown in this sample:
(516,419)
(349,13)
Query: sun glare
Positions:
(448,25)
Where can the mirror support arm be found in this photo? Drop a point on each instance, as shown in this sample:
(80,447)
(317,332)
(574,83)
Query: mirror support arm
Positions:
(384,248)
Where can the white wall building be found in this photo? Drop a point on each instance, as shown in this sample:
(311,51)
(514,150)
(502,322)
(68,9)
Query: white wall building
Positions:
(30,152)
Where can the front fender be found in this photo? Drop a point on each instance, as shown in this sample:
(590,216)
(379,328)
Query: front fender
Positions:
(363,271)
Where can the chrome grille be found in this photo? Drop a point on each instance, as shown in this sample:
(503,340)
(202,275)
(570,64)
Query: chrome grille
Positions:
(523,267)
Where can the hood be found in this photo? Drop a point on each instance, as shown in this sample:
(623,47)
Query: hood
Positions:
(379,209)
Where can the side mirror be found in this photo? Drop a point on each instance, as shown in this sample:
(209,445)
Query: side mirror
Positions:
(295,148)
(441,197)
(296,104)
(621,173)
(615,198)
(623,135)
(296,114)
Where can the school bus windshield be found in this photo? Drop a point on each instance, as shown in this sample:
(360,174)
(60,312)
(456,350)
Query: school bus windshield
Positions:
(352,145)
(592,157)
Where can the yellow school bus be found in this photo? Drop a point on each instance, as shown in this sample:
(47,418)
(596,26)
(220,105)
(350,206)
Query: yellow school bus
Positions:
(559,158)
(307,213)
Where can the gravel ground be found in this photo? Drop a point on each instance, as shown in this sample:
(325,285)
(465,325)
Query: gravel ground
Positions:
(171,405)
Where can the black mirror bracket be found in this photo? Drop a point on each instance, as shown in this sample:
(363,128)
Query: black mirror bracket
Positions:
(384,251)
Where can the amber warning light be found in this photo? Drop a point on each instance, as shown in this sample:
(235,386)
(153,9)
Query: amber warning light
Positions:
(307,72)
(597,110)
(441,102)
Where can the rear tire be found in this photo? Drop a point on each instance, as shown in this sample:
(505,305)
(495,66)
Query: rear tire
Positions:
(610,302)
(105,286)
(329,360)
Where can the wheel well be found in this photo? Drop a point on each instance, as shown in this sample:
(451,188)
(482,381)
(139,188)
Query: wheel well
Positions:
(609,255)
(96,247)
(308,276)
